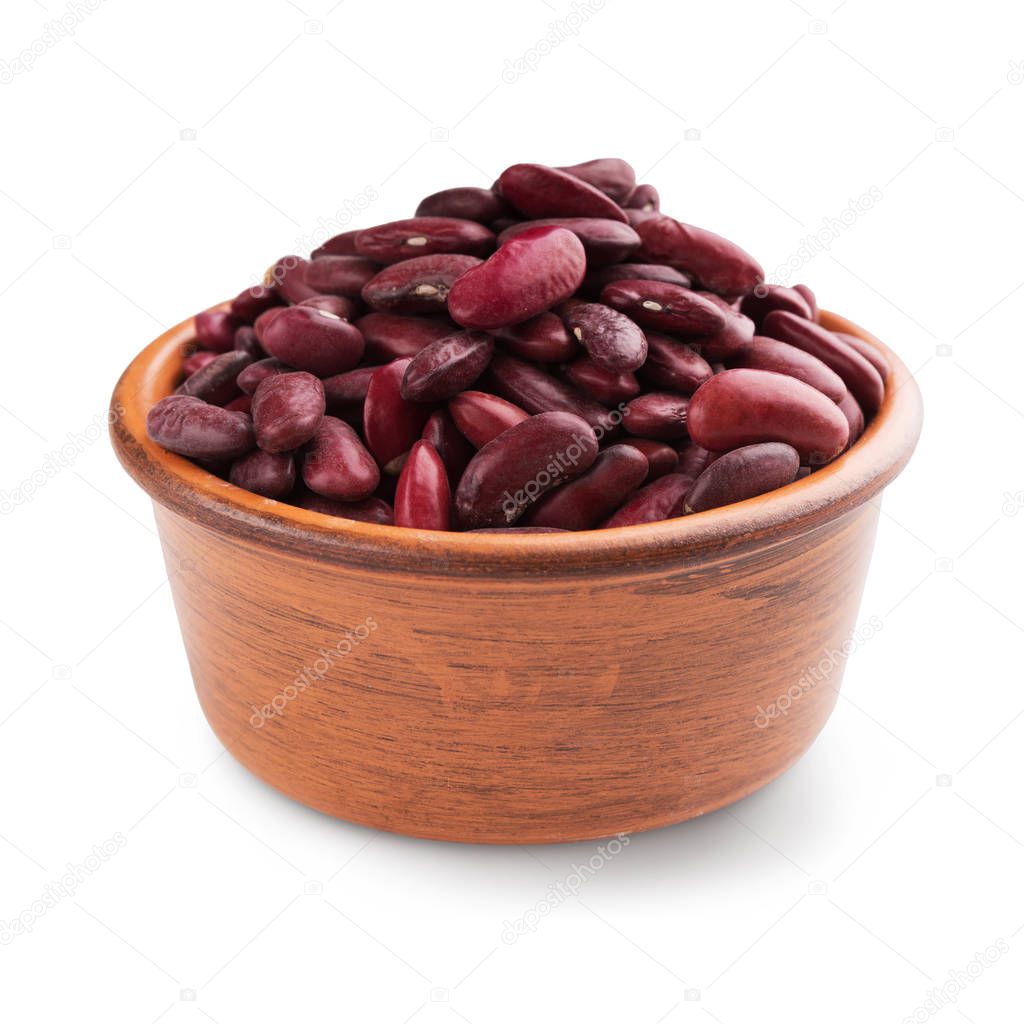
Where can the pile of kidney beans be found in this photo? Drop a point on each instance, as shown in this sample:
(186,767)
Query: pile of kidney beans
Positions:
(551,353)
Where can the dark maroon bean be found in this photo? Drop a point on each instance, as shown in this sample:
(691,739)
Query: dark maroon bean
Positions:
(248,304)
(481,417)
(349,387)
(854,416)
(369,510)
(863,380)
(693,459)
(451,444)
(198,360)
(479,204)
(248,380)
(339,275)
(190,426)
(609,387)
(417,285)
(743,473)
(772,354)
(673,366)
(313,340)
(424,236)
(741,407)
(542,339)
(423,497)
(611,339)
(337,305)
(717,263)
(271,474)
(511,472)
(588,500)
(286,410)
(215,329)
(340,245)
(243,403)
(662,499)
(604,241)
(336,465)
(246,341)
(614,177)
(809,298)
(391,425)
(658,414)
(733,339)
(868,351)
(644,197)
(216,381)
(288,276)
(447,366)
(539,191)
(597,279)
(661,459)
(767,297)
(665,307)
(390,336)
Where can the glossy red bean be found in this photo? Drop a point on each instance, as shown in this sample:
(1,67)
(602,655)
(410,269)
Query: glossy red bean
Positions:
(542,339)
(423,236)
(450,443)
(267,473)
(741,407)
(246,341)
(391,424)
(313,340)
(447,366)
(611,339)
(661,458)
(249,303)
(661,499)
(767,297)
(479,204)
(340,275)
(524,462)
(597,279)
(369,510)
(337,305)
(665,307)
(344,389)
(743,473)
(215,330)
(264,320)
(868,351)
(392,336)
(660,415)
(288,276)
(423,498)
(337,465)
(643,197)
(340,245)
(809,298)
(604,241)
(417,285)
(772,354)
(854,416)
(614,177)
(526,276)
(672,365)
(215,382)
(693,459)
(539,191)
(190,426)
(718,264)
(286,410)
(635,217)
(609,387)
(585,502)
(197,361)
(481,417)
(248,380)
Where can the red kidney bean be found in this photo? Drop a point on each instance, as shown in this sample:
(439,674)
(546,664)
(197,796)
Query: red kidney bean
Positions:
(854,416)
(390,336)
(539,191)
(480,417)
(661,459)
(271,474)
(767,297)
(644,197)
(737,334)
(527,275)
(863,380)
(673,366)
(658,414)
(741,407)
(190,426)
(480,204)
(693,459)
(589,499)
(288,276)
(423,498)
(665,307)
(336,465)
(743,473)
(542,339)
(597,279)
(809,298)
(417,285)
(215,330)
(636,217)
(248,304)
(339,275)
(719,265)
(197,361)
(604,241)
(246,341)
(264,320)
(772,354)
(347,388)
(611,339)
(451,444)
(391,424)
(369,510)
(868,351)
(654,502)
(243,403)
(338,305)
(424,236)
(340,245)
(286,410)
(216,381)
(447,366)
(248,380)
(614,177)
(511,472)
(609,387)
(313,340)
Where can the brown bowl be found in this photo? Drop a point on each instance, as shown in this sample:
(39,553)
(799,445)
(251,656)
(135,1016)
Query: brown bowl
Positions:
(517,688)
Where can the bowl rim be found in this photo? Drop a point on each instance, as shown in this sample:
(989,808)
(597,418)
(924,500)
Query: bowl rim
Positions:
(178,484)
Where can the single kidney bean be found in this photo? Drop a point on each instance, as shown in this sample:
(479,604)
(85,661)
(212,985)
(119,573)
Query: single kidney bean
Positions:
(241,403)
(248,380)
(215,330)
(767,297)
(313,340)
(417,285)
(481,417)
(451,444)
(271,474)
(661,459)
(286,410)
(737,334)
(349,387)
(542,339)
(339,275)
(336,465)
(189,426)
(658,414)
(391,424)
(809,298)
(246,341)
(867,350)
(249,303)
(665,307)
(719,265)
(741,407)
(672,365)
(216,381)
(604,241)
(614,177)
(661,499)
(423,498)
(609,387)
(589,499)
(424,236)
(693,459)
(391,336)
(863,380)
(743,473)
(480,204)
(527,275)
(197,361)
(340,245)
(264,320)
(511,472)
(597,279)
(540,191)
(611,339)
(288,276)
(854,416)
(369,510)
(337,305)
(772,354)
(447,366)
(643,197)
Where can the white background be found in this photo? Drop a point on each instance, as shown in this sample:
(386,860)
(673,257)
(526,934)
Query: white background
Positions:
(158,159)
